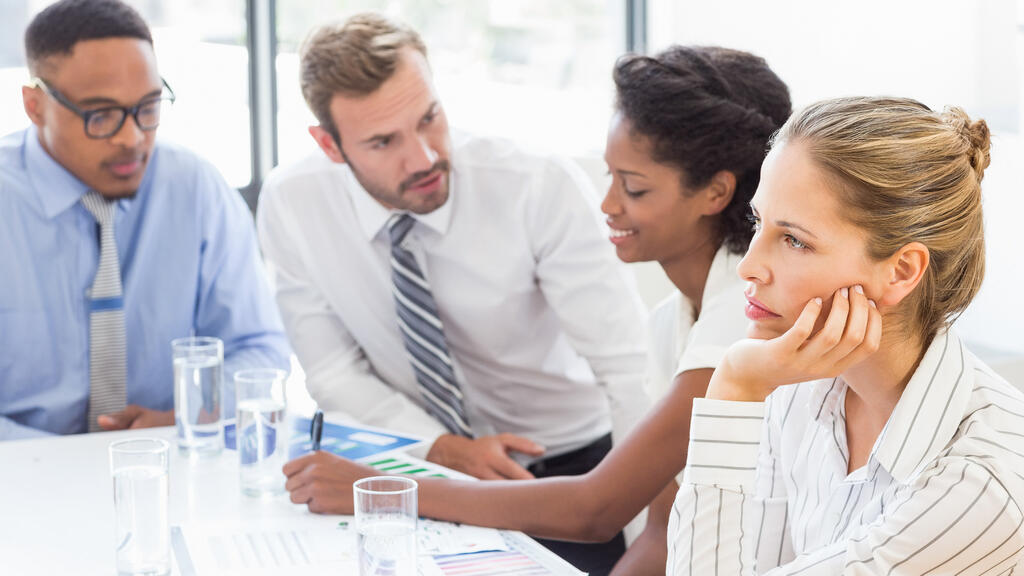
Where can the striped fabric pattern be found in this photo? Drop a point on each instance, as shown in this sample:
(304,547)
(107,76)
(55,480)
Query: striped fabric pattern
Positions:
(942,491)
(423,333)
(106,319)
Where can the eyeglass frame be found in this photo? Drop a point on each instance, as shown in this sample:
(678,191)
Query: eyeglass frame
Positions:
(86,115)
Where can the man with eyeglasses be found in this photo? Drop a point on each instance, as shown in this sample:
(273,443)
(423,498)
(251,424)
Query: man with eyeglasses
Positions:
(111,243)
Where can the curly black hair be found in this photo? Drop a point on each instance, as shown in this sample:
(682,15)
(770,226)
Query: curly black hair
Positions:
(56,30)
(706,109)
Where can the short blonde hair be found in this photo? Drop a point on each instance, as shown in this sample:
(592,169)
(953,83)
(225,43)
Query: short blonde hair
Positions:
(353,58)
(905,173)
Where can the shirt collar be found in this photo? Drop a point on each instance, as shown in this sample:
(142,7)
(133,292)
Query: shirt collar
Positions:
(721,274)
(57,189)
(372,216)
(929,411)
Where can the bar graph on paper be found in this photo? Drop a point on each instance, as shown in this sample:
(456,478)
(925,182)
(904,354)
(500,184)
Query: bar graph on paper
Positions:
(490,563)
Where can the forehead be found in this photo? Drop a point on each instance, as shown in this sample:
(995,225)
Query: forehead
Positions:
(106,68)
(399,102)
(794,189)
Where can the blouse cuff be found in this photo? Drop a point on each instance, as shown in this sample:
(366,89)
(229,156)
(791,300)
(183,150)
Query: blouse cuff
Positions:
(724,441)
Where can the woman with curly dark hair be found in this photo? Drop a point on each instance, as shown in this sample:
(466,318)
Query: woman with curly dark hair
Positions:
(685,147)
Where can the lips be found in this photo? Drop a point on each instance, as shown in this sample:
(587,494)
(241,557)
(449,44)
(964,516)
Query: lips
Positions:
(125,167)
(755,310)
(619,235)
(426,185)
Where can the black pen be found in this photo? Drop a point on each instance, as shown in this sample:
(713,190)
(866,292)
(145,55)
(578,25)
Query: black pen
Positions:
(316,429)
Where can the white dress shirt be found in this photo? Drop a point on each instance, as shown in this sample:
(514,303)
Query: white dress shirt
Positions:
(767,490)
(544,325)
(678,344)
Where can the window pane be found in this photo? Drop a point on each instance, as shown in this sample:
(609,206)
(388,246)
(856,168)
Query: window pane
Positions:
(201,49)
(532,70)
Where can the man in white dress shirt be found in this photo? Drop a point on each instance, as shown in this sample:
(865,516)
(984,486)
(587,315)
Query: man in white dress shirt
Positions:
(462,291)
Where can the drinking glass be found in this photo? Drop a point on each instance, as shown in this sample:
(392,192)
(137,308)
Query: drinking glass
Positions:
(386,511)
(198,386)
(261,430)
(139,469)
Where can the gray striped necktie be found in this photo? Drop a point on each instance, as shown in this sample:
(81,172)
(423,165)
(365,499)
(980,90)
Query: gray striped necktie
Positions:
(423,333)
(106,319)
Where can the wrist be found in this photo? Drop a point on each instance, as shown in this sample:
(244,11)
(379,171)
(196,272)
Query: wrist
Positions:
(725,386)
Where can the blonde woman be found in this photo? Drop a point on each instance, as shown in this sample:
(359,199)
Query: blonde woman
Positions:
(898,452)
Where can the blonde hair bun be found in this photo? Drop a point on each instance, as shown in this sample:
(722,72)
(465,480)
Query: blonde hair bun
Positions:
(975,134)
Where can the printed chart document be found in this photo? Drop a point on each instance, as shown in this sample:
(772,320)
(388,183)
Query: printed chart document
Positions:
(352,442)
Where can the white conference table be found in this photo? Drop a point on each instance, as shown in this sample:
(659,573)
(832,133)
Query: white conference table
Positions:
(57,513)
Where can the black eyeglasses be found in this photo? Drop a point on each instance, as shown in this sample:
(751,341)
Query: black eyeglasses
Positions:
(107,121)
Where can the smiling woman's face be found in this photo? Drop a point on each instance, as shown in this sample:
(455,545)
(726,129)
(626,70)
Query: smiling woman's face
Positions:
(802,248)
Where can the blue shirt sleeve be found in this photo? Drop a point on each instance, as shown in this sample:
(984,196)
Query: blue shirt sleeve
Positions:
(235,302)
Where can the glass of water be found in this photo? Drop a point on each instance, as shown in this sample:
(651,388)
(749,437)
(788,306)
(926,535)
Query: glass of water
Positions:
(198,385)
(386,510)
(261,432)
(139,468)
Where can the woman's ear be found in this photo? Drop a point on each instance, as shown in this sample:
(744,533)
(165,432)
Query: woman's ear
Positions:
(904,269)
(718,193)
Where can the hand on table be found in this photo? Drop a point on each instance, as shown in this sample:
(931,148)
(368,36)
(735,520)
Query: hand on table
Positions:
(323,482)
(485,458)
(134,416)
(752,369)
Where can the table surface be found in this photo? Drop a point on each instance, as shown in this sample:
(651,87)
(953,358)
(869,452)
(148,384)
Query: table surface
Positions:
(56,501)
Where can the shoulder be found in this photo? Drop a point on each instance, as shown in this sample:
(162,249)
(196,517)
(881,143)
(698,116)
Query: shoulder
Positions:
(501,160)
(312,174)
(187,182)
(665,315)
(177,166)
(12,162)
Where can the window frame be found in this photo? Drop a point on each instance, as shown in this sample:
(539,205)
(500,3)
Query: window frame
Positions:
(261,41)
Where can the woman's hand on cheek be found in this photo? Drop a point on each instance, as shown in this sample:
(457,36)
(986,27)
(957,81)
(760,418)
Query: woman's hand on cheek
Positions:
(752,369)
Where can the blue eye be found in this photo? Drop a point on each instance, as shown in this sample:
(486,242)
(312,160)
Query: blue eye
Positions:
(794,243)
(380,143)
(755,222)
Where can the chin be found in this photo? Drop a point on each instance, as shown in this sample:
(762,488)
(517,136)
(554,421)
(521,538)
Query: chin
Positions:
(758,331)
(627,256)
(430,203)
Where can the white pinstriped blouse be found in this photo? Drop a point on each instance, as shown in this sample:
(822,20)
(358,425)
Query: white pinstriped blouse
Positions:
(766,489)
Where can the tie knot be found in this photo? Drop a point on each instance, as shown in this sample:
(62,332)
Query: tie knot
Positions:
(398,227)
(100,208)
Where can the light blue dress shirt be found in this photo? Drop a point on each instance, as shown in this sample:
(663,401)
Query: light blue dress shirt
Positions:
(189,264)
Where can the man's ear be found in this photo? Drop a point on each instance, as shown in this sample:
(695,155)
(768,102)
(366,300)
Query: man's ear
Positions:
(904,271)
(327,143)
(32,98)
(718,193)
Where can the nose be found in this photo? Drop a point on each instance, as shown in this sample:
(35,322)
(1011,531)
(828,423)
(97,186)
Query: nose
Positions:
(130,135)
(611,205)
(754,265)
(421,155)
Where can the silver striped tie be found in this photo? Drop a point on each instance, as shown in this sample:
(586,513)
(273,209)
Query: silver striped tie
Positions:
(106,319)
(423,333)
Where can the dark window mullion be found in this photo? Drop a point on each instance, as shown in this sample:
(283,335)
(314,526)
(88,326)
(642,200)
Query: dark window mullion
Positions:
(262,44)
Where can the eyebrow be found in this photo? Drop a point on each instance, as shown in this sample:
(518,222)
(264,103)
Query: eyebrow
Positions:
(430,110)
(99,100)
(632,173)
(787,224)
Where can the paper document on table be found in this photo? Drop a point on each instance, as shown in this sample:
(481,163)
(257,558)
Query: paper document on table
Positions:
(304,545)
(435,537)
(286,547)
(523,557)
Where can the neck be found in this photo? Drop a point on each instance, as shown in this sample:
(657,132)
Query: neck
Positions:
(879,381)
(688,271)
